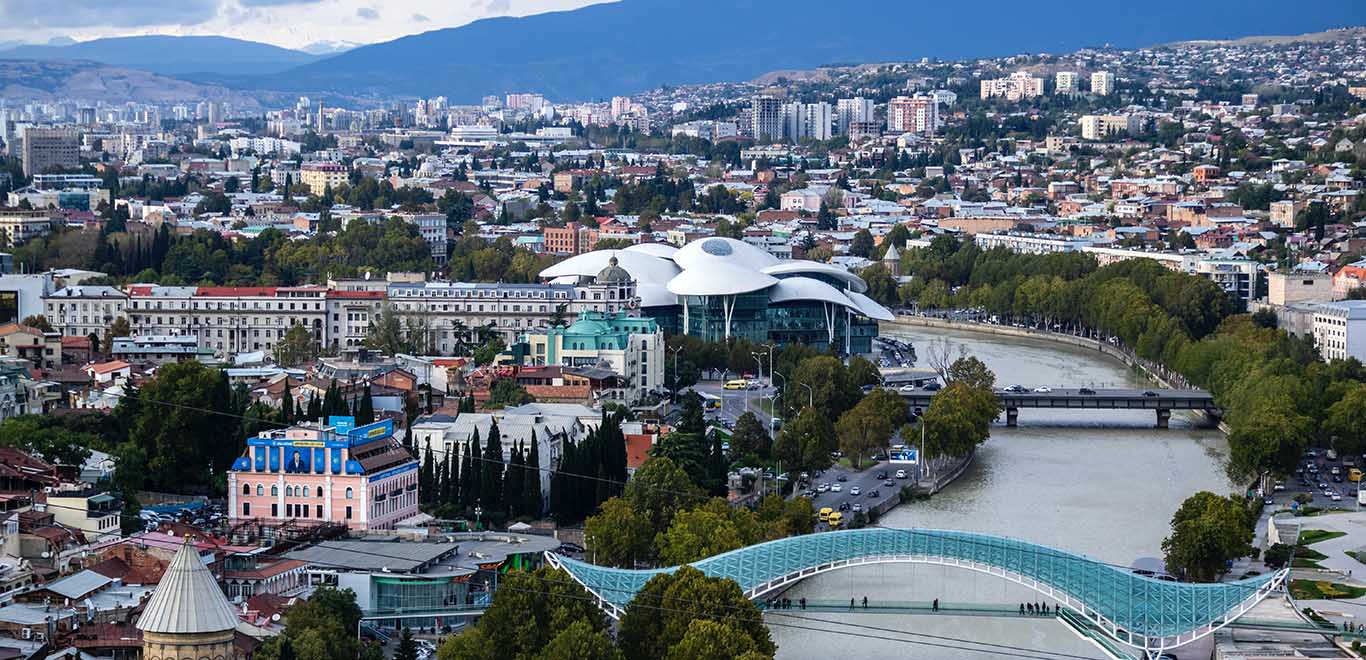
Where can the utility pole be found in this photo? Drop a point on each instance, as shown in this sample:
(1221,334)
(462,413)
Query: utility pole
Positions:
(673,391)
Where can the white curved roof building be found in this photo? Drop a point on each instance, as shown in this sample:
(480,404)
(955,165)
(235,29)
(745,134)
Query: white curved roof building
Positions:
(717,288)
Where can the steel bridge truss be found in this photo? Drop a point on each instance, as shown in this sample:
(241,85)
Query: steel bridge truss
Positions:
(1145,614)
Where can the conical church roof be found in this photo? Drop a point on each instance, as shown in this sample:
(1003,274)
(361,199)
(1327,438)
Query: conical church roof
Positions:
(188,600)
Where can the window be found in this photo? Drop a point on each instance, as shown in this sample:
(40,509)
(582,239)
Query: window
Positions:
(318,511)
(348,496)
(246,508)
(246,489)
(348,513)
(274,491)
(274,510)
(259,490)
(320,491)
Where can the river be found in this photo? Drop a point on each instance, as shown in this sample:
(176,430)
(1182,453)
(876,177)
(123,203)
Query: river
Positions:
(1058,479)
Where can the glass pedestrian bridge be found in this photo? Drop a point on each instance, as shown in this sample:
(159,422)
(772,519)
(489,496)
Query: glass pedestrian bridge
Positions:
(1140,612)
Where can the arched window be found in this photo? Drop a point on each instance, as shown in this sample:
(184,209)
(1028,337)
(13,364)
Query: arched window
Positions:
(259,490)
(348,493)
(320,491)
(274,490)
(289,491)
(246,489)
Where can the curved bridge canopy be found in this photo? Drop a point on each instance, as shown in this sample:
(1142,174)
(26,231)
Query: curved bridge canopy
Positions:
(1133,609)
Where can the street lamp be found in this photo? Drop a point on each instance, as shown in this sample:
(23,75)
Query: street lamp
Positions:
(479,517)
(810,395)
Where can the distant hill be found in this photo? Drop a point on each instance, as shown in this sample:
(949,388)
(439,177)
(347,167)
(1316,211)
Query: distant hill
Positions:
(634,45)
(171,55)
(92,81)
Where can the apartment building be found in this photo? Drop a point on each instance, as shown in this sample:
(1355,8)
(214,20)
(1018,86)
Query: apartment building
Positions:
(1237,277)
(1340,329)
(20,226)
(350,313)
(766,119)
(915,114)
(852,111)
(1284,212)
(1016,86)
(49,147)
(80,311)
(571,239)
(807,121)
(1100,127)
(319,175)
(1297,286)
(228,319)
(1102,83)
(1067,82)
(631,346)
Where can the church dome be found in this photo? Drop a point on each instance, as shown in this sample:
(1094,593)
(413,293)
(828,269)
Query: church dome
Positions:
(613,274)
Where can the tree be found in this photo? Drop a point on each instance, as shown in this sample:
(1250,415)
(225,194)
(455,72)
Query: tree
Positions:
(320,628)
(971,372)
(863,428)
(48,438)
(715,640)
(957,421)
(1278,555)
(617,535)
(296,347)
(37,321)
(579,641)
(831,390)
(705,531)
(505,393)
(386,333)
(658,617)
(659,489)
(1347,421)
(1207,532)
(183,435)
(118,328)
(407,646)
(750,437)
(525,615)
(805,442)
(491,471)
(862,244)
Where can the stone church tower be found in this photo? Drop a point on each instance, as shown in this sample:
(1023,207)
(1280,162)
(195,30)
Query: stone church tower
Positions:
(188,617)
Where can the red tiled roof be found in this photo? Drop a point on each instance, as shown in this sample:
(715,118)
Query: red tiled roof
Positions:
(231,291)
(357,295)
(107,367)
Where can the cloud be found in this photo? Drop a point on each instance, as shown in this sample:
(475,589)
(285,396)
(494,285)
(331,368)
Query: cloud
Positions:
(367,13)
(419,18)
(42,14)
(275,3)
(498,6)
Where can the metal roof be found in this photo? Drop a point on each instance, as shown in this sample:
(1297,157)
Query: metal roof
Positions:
(188,600)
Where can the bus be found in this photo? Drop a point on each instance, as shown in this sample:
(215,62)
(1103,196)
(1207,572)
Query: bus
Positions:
(737,384)
(1361,495)
(710,401)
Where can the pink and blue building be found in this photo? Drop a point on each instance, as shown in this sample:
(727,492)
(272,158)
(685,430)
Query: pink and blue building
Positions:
(361,477)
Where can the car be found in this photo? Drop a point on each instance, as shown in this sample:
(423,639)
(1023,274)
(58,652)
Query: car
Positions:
(1335,497)
(900,474)
(889,483)
(1280,486)
(1337,478)
(842,478)
(931,387)
(1268,501)
(805,476)
(875,493)
(844,506)
(1086,391)
(855,490)
(906,389)
(1323,485)
(1014,388)
(835,488)
(1149,393)
(822,488)
(1335,470)
(1042,390)
(856,507)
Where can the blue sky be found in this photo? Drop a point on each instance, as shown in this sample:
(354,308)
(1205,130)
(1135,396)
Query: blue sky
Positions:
(288,23)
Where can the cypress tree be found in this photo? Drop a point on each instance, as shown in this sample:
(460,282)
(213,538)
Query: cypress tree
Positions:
(560,486)
(424,476)
(315,408)
(531,484)
(469,473)
(450,489)
(716,468)
(491,481)
(365,409)
(512,482)
(287,404)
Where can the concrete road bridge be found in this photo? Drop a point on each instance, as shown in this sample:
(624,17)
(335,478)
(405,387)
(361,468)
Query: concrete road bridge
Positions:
(1162,401)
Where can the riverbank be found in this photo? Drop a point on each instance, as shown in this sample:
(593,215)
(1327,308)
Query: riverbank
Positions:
(1154,372)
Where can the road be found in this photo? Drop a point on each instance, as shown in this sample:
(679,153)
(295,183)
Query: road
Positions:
(866,481)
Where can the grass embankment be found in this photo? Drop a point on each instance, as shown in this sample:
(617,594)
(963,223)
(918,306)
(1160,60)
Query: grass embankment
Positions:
(1324,590)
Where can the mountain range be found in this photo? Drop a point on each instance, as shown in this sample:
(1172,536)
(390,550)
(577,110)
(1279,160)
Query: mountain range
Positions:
(171,55)
(633,45)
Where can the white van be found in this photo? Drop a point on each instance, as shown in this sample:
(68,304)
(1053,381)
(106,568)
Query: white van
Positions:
(1332,455)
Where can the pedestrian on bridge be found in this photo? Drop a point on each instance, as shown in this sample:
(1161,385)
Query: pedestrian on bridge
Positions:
(1031,607)
(935,606)
(803,602)
(1022,610)
(851,603)
(865,602)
